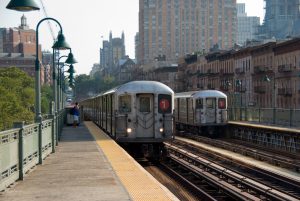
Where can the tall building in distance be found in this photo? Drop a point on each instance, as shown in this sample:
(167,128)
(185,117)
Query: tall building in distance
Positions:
(47,58)
(136,46)
(282,19)
(247,26)
(112,51)
(178,27)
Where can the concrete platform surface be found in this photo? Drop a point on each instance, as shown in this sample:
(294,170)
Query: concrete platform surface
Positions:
(78,171)
(140,185)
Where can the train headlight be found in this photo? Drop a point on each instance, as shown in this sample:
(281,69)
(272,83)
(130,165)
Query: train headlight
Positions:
(129,130)
(161,130)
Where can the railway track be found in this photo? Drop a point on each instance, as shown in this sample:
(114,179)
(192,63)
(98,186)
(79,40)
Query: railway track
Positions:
(274,157)
(224,179)
(179,189)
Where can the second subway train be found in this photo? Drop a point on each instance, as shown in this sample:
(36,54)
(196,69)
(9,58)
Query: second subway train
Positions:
(202,112)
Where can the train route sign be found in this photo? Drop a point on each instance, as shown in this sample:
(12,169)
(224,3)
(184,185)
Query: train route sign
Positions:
(164,104)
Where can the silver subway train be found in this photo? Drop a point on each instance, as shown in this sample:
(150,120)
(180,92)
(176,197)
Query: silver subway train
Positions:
(203,112)
(137,112)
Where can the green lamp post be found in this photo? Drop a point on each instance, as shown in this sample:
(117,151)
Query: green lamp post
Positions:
(22,5)
(60,44)
(70,60)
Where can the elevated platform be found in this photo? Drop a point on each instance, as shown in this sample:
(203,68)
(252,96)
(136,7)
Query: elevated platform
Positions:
(265,126)
(87,165)
(293,175)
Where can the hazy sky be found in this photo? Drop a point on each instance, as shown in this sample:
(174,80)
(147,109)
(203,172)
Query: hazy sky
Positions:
(86,23)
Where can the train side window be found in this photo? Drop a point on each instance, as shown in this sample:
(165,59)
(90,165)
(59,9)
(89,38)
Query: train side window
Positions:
(199,103)
(211,103)
(222,103)
(144,104)
(125,104)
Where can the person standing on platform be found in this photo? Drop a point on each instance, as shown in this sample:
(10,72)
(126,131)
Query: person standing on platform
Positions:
(75,113)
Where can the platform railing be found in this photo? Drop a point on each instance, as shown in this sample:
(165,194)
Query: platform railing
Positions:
(22,148)
(283,117)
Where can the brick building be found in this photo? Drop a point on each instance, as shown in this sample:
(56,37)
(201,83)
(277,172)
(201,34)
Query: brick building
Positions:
(19,49)
(242,73)
(21,61)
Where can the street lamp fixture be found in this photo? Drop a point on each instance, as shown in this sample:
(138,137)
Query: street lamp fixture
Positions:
(71,76)
(61,43)
(22,5)
(228,83)
(71,59)
(267,79)
(238,83)
(59,94)
(71,70)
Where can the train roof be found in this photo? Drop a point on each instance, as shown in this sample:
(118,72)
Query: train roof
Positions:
(141,87)
(201,94)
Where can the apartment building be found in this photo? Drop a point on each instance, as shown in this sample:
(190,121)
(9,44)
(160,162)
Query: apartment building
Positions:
(264,76)
(178,27)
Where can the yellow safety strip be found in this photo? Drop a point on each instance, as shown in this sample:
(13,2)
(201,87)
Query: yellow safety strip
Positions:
(138,182)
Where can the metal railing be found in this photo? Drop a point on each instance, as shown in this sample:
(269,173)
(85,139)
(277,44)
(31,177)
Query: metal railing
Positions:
(26,146)
(282,117)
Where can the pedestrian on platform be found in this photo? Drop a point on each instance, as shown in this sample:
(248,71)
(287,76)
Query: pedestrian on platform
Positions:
(75,112)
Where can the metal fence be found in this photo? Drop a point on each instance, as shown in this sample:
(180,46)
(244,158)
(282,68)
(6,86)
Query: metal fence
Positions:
(281,117)
(25,146)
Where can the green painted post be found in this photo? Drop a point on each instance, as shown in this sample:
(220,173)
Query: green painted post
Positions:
(20,125)
(40,140)
(52,116)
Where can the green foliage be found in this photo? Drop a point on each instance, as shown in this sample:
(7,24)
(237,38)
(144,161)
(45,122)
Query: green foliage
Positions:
(47,97)
(17,97)
(87,85)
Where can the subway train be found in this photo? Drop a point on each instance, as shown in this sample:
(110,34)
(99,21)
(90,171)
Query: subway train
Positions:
(202,112)
(137,114)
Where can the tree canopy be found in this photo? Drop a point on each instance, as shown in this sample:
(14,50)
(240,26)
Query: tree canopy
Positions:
(87,86)
(17,97)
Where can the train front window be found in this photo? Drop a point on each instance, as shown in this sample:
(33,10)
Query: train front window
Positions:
(222,103)
(210,103)
(199,103)
(145,104)
(125,104)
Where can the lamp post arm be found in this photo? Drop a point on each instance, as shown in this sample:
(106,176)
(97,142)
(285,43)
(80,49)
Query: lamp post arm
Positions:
(61,57)
(37,32)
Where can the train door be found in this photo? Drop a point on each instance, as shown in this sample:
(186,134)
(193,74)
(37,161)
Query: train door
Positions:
(210,112)
(145,116)
(222,111)
(198,111)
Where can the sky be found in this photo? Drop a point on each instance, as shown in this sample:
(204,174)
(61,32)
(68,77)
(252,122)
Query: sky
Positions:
(87,23)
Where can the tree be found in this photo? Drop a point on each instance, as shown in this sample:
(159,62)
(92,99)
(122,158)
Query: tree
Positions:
(87,85)
(47,97)
(17,97)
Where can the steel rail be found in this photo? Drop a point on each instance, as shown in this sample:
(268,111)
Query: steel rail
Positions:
(236,184)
